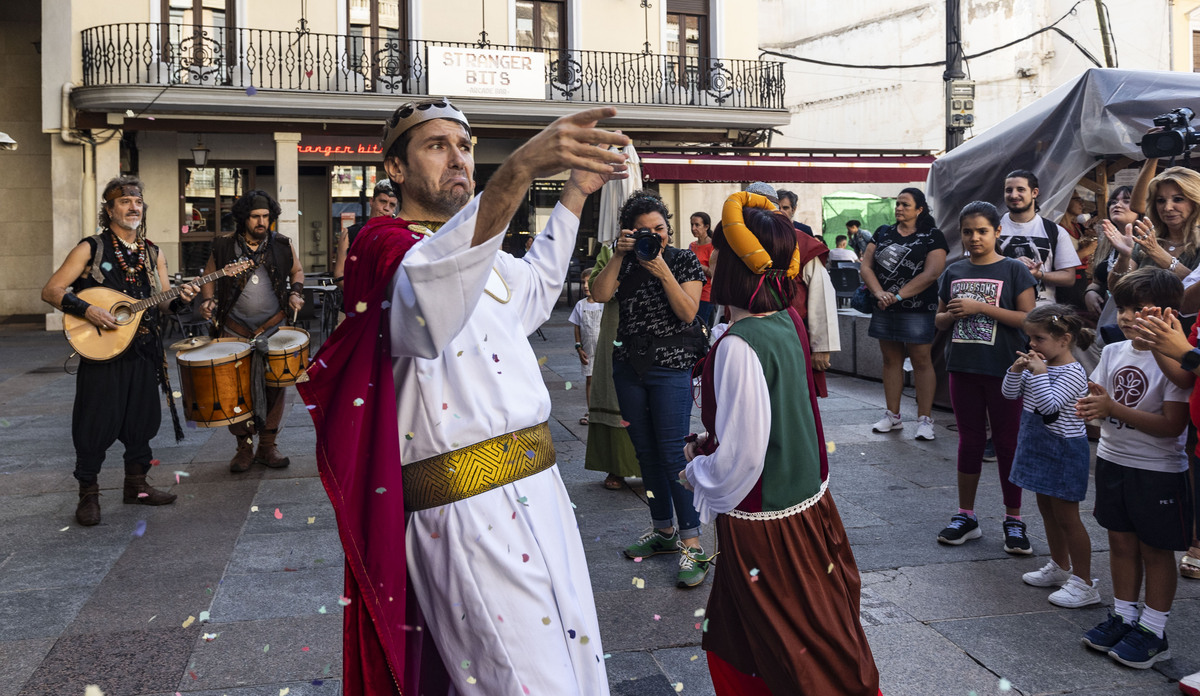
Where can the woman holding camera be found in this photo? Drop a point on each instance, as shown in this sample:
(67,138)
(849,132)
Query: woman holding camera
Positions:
(658,341)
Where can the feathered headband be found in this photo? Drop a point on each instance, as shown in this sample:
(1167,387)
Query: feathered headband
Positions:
(742,240)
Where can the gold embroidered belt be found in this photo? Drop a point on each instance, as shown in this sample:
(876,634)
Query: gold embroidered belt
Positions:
(478,468)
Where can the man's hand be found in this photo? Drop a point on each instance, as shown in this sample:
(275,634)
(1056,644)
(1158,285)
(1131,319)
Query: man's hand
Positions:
(206,308)
(296,303)
(569,143)
(1097,404)
(100,317)
(584,183)
(820,361)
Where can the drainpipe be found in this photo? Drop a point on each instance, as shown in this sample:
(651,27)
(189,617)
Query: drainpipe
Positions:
(87,196)
(1171,34)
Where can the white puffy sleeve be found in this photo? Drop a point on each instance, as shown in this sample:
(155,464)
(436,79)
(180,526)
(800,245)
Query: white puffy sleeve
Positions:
(823,333)
(437,286)
(537,278)
(743,424)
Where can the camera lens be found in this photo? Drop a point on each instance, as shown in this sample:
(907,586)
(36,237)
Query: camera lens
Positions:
(646,245)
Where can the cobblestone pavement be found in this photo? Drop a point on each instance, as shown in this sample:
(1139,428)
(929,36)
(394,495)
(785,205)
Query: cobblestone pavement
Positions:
(221,595)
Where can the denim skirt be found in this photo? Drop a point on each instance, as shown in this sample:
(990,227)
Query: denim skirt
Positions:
(1049,464)
(903,327)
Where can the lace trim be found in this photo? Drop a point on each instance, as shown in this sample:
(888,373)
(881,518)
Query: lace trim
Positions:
(786,512)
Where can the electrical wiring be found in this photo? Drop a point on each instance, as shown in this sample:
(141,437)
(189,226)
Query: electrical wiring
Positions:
(937,63)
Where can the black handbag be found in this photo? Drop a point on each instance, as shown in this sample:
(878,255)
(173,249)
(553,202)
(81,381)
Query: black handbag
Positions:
(863,300)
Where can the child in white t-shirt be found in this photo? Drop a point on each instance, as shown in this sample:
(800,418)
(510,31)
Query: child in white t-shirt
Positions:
(1142,492)
(586,318)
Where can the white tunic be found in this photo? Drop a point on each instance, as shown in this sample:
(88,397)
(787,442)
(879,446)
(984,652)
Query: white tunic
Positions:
(501,576)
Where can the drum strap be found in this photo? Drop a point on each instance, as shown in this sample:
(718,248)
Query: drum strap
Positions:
(239,329)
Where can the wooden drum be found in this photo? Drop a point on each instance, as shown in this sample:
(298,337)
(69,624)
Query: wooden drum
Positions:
(215,381)
(287,356)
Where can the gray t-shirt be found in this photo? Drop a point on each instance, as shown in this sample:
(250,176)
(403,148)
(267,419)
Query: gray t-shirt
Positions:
(257,303)
(978,343)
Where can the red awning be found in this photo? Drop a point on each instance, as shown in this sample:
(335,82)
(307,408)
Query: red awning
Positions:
(683,168)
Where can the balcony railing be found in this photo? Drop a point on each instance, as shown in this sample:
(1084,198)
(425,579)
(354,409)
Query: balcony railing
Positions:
(207,56)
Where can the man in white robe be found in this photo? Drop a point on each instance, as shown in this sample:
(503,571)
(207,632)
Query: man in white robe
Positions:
(500,575)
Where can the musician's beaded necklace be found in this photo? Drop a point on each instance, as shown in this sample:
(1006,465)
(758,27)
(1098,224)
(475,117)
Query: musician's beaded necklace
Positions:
(136,251)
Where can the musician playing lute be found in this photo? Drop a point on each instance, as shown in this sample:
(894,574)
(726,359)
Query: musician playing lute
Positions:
(115,399)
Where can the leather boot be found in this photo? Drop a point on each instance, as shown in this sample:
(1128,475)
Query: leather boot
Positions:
(138,491)
(88,511)
(267,453)
(245,454)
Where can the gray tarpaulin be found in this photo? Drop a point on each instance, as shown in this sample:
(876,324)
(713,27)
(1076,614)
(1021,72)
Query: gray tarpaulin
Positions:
(1059,137)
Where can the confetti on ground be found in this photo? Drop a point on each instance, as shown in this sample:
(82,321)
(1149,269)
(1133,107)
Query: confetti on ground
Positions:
(140,528)
(704,627)
(543,360)
(344,601)
(210,637)
(693,658)
(657,617)
(322,610)
(698,613)
(358,402)
(639,583)
(567,386)
(278,514)
(1005,685)
(638,559)
(360,307)
(182,473)
(678,687)
(189,621)
(830,447)
(64,529)
(266,647)
(381,490)
(545,620)
(92,690)
(253,508)
(311,520)
(4,423)
(203,616)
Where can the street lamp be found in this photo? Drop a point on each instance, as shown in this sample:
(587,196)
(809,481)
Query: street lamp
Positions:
(199,153)
(6,142)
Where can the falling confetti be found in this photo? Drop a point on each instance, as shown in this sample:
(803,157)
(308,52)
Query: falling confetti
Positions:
(617,344)
(278,514)
(408,436)
(754,572)
(830,447)
(177,395)
(829,569)
(106,266)
(704,626)
(524,500)
(495,358)
(250,91)
(470,680)
(358,402)
(189,621)
(466,664)
(155,462)
(381,490)
(545,620)
(524,558)
(140,528)
(421,321)
(543,360)
(567,386)
(584,640)
(360,307)
(649,494)
(344,601)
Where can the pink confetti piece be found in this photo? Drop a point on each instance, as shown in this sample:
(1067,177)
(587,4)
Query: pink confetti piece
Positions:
(638,559)
(344,601)
(304,649)
(525,688)
(524,558)
(278,514)
(499,618)
(143,495)
(495,358)
(154,462)
(657,617)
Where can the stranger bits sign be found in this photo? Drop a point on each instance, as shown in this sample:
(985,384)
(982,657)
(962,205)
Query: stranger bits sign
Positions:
(487,73)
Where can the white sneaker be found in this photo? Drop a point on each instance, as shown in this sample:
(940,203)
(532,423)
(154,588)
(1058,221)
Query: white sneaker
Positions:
(1190,684)
(1075,594)
(924,428)
(889,422)
(1049,576)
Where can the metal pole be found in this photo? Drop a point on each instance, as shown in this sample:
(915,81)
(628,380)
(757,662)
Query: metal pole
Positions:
(954,71)
(1105,37)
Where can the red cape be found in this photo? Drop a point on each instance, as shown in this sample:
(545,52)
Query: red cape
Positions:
(352,398)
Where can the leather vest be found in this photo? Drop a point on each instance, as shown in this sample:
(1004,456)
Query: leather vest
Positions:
(278,261)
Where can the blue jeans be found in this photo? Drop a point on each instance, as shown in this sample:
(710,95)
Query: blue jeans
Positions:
(658,407)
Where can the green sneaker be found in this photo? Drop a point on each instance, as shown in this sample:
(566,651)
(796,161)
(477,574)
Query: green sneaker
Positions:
(652,543)
(693,566)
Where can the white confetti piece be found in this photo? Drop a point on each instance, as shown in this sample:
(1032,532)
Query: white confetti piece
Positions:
(203,616)
(698,613)
(358,402)
(284,691)
(64,529)
(678,687)
(177,395)
(1005,685)
(92,690)
(253,508)
(649,494)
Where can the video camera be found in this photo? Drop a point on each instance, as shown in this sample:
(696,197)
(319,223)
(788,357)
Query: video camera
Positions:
(646,244)
(1177,137)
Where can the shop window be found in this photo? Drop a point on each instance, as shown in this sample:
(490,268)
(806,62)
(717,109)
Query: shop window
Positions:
(376,46)
(542,24)
(207,211)
(350,189)
(1196,51)
(687,39)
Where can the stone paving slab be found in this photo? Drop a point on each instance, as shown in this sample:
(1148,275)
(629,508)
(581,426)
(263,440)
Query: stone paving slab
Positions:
(278,595)
(245,653)
(123,662)
(18,661)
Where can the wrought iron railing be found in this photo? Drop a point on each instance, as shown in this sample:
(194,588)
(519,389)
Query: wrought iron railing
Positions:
(208,56)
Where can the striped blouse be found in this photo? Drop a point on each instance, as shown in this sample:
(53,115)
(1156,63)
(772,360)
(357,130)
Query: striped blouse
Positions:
(1052,393)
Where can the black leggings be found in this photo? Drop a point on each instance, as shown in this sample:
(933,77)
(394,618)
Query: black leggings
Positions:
(116,400)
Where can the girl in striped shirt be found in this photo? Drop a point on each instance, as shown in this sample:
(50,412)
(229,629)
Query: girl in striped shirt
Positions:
(1052,457)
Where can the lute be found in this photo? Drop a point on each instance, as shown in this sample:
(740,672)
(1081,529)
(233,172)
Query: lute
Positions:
(94,343)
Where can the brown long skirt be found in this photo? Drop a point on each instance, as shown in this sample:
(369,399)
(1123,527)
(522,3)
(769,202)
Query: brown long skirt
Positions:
(796,626)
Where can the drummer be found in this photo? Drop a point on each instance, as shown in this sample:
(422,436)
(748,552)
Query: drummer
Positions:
(245,306)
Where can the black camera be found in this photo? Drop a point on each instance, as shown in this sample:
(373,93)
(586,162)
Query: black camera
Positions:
(647,245)
(1177,137)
